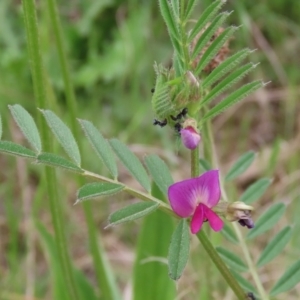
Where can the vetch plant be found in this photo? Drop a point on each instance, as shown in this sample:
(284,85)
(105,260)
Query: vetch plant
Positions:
(200,84)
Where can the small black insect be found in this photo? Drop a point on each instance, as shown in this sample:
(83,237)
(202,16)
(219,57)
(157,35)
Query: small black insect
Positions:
(177,125)
(250,296)
(152,90)
(160,123)
(181,115)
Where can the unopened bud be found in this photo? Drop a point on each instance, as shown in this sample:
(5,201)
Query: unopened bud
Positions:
(189,134)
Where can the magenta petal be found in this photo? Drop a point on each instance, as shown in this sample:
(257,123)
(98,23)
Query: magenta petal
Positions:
(214,220)
(208,187)
(190,138)
(183,197)
(198,219)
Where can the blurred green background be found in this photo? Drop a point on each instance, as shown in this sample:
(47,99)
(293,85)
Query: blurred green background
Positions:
(111,48)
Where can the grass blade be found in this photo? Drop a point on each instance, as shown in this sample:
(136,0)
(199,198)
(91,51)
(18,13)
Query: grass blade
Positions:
(85,288)
(179,250)
(151,257)
(131,162)
(232,260)
(226,66)
(288,280)
(27,126)
(159,172)
(98,189)
(132,212)
(255,190)
(267,220)
(15,149)
(63,135)
(275,246)
(241,165)
(101,146)
(233,98)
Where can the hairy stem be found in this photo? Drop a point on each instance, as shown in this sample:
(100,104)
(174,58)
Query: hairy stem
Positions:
(252,269)
(208,245)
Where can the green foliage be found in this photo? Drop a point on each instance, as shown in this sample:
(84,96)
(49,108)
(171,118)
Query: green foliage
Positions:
(246,285)
(214,48)
(267,220)
(207,35)
(98,189)
(54,160)
(159,172)
(241,165)
(101,146)
(131,162)
(229,234)
(255,190)
(151,256)
(179,250)
(275,246)
(232,99)
(63,135)
(228,82)
(288,280)
(232,260)
(205,165)
(226,66)
(27,125)
(95,71)
(85,288)
(15,149)
(208,14)
(132,212)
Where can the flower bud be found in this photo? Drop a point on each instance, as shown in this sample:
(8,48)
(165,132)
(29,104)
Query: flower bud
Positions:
(189,134)
(236,211)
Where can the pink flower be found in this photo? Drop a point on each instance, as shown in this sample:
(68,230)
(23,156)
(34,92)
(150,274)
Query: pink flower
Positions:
(190,137)
(195,197)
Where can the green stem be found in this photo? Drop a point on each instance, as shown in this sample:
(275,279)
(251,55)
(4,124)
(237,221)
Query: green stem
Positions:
(211,156)
(143,196)
(239,292)
(105,278)
(40,89)
(195,166)
(261,291)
